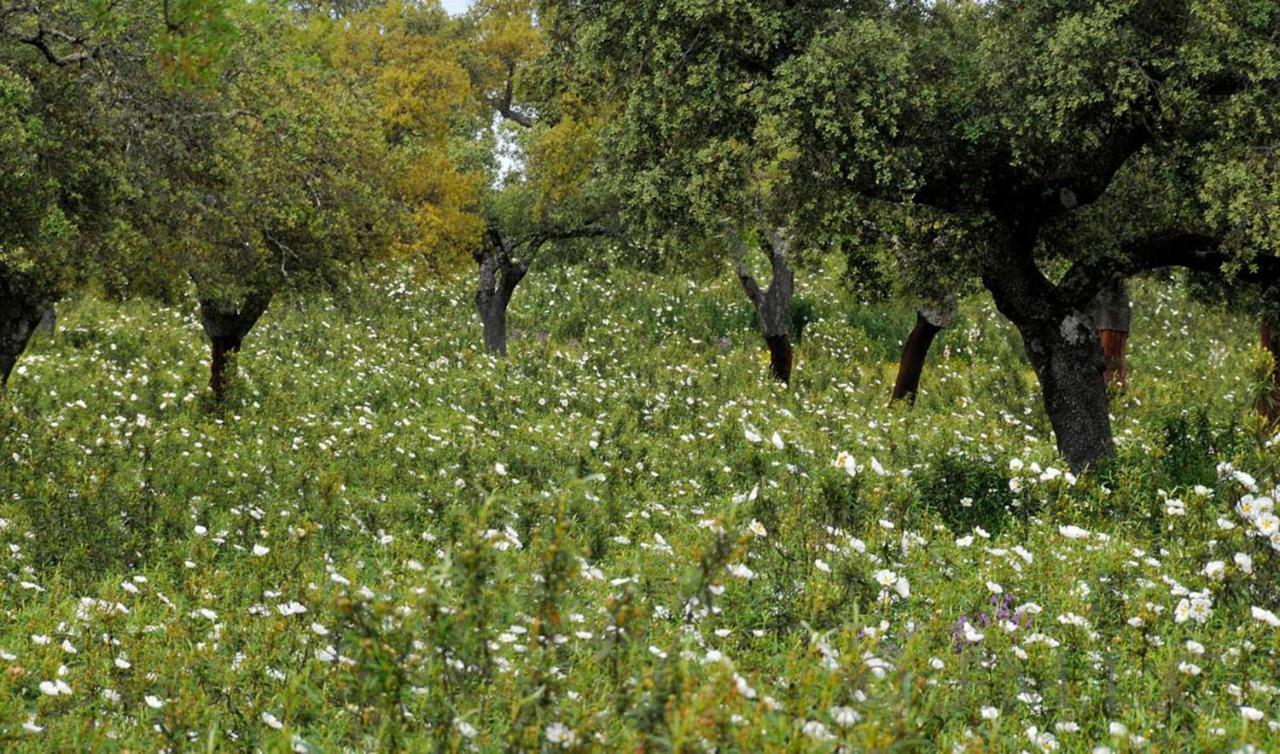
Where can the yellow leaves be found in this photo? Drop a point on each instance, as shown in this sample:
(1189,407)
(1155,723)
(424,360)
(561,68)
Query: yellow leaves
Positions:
(415,57)
(506,32)
(447,225)
(505,43)
(560,160)
(422,95)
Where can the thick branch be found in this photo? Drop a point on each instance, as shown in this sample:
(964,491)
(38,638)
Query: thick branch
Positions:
(773,303)
(750,287)
(40,41)
(1198,252)
(503,102)
(776,248)
(588,230)
(546,235)
(1086,188)
(1020,289)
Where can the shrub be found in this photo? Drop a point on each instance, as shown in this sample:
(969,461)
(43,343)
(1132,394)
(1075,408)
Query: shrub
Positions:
(1193,445)
(966,492)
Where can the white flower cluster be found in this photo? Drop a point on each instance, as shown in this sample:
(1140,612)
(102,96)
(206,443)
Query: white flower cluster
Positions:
(1256,508)
(1024,474)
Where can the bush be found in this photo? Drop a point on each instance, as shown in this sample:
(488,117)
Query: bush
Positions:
(802,312)
(727,319)
(885,333)
(966,492)
(839,500)
(1193,445)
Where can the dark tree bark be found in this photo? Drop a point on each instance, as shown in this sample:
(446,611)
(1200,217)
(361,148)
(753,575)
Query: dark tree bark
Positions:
(20,315)
(18,320)
(1068,362)
(911,364)
(781,357)
(774,304)
(1064,349)
(226,323)
(500,273)
(1269,404)
(930,320)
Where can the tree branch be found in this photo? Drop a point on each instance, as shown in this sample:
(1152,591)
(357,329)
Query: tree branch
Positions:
(503,102)
(40,41)
(1084,189)
(1198,252)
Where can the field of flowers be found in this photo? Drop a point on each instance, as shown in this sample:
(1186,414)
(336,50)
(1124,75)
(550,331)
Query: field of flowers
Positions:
(626,536)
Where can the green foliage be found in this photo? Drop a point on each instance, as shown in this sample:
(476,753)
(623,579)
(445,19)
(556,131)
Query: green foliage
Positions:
(1040,147)
(885,328)
(727,319)
(1193,443)
(801,313)
(839,501)
(967,491)
(623,538)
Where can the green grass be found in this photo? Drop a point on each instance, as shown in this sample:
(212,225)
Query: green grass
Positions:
(581,548)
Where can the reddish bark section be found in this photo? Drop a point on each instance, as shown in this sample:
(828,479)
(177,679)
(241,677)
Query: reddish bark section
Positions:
(914,354)
(219,350)
(1114,367)
(1269,405)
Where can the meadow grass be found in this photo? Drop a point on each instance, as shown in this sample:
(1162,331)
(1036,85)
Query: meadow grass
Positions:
(626,536)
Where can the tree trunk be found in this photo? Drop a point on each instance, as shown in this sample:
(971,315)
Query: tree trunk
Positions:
(1269,403)
(1111,312)
(494,319)
(931,319)
(226,323)
(913,357)
(1068,362)
(780,356)
(773,306)
(500,273)
(1115,370)
(1063,347)
(18,320)
(220,349)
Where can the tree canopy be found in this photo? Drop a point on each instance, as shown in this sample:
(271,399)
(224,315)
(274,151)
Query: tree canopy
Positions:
(1043,148)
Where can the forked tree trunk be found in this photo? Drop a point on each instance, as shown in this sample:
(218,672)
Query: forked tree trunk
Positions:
(226,323)
(930,320)
(18,320)
(500,273)
(1068,362)
(1269,402)
(774,305)
(1065,351)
